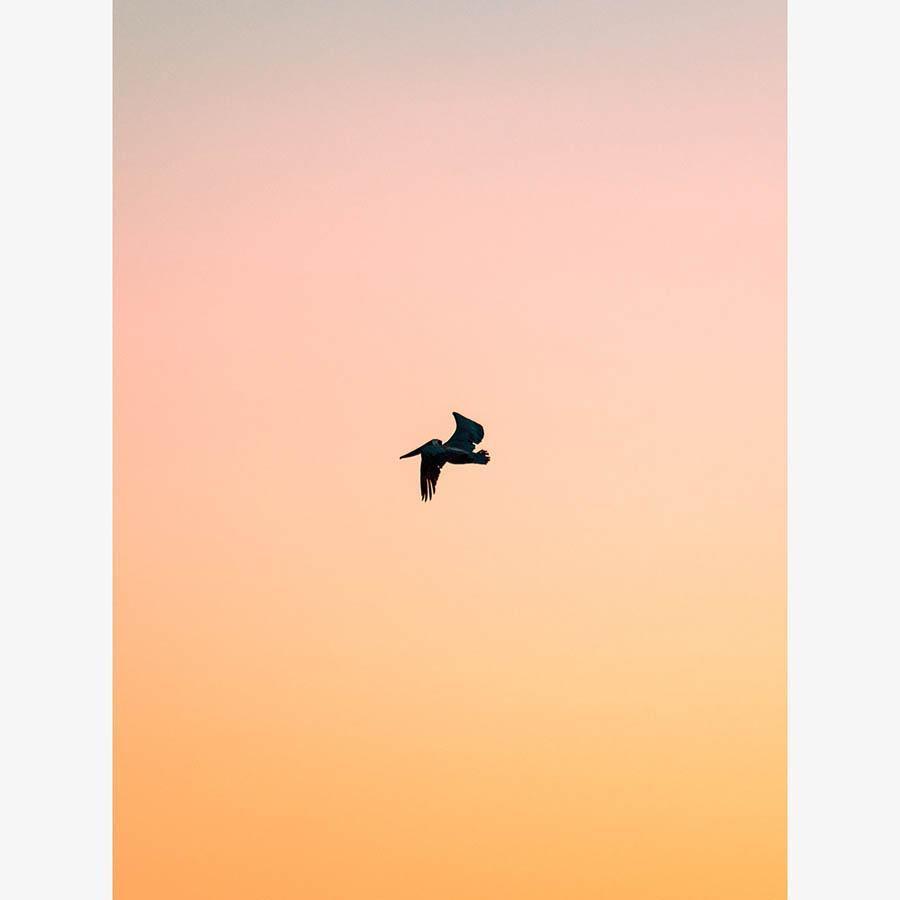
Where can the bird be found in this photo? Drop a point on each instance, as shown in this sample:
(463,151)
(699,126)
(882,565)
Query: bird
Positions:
(458,451)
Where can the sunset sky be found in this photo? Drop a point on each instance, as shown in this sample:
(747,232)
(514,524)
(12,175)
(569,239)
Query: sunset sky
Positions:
(336,223)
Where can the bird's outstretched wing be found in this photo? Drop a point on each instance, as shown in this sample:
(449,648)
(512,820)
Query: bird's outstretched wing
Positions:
(467,434)
(429,472)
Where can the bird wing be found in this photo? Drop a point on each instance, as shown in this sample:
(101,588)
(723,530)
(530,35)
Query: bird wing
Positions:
(429,472)
(467,434)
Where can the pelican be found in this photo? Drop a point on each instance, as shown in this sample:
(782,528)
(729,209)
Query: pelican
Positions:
(458,450)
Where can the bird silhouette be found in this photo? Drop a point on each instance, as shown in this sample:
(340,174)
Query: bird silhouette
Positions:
(458,450)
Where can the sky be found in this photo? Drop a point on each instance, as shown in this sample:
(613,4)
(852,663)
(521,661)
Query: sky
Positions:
(336,223)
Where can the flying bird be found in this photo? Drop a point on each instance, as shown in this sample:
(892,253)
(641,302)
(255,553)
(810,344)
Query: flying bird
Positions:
(459,450)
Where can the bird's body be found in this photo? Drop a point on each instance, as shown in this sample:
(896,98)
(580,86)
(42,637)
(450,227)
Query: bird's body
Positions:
(459,450)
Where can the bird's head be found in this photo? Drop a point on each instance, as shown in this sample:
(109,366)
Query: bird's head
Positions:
(434,442)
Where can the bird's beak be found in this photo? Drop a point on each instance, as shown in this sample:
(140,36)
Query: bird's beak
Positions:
(415,452)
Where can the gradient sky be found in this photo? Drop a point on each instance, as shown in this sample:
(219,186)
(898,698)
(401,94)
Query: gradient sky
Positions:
(335,223)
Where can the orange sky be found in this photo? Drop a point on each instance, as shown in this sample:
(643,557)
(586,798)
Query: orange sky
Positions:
(565,676)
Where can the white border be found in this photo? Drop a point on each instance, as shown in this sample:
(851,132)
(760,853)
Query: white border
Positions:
(55,514)
(843,450)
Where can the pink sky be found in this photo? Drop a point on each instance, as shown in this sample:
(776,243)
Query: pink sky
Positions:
(563,677)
